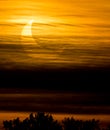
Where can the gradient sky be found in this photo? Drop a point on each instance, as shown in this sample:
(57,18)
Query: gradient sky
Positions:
(65,33)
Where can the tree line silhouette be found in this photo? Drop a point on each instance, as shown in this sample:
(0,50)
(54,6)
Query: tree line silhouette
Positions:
(45,121)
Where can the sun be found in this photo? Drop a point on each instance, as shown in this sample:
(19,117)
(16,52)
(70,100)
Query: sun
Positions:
(27,30)
(27,35)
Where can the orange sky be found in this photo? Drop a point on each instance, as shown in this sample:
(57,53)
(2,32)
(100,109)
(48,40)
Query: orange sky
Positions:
(80,28)
(77,13)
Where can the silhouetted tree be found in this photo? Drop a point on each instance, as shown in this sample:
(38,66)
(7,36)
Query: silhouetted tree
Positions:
(45,121)
(72,124)
(8,125)
(91,125)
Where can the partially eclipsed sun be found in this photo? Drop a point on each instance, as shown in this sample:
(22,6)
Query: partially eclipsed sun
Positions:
(26,34)
(27,30)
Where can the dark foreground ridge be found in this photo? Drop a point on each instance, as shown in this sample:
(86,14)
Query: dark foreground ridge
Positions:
(80,79)
(45,121)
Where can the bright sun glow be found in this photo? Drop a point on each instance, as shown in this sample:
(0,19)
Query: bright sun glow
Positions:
(27,30)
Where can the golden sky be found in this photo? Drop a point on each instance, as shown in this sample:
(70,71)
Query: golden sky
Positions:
(80,28)
(78,13)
